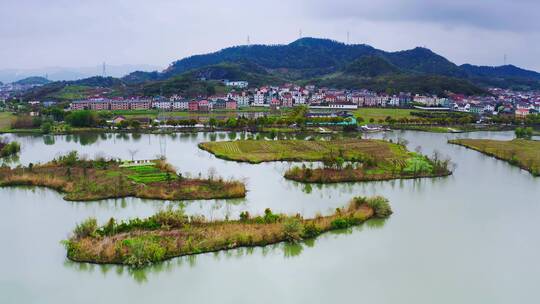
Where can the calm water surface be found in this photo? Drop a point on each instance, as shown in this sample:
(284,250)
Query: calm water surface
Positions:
(469,238)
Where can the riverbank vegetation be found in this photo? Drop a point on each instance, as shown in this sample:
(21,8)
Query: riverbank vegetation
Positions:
(8,149)
(518,152)
(171,233)
(88,180)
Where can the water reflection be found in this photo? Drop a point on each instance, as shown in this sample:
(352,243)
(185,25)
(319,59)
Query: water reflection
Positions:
(48,140)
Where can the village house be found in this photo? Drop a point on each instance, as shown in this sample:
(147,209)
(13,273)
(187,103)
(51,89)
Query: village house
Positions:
(522,113)
(193,106)
(275,103)
(139,104)
(258,98)
(118,119)
(286,100)
(162,105)
(204,105)
(218,104)
(99,105)
(241,98)
(231,104)
(237,84)
(180,105)
(120,105)
(79,105)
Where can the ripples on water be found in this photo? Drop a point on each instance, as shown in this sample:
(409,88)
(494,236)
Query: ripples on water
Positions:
(467,238)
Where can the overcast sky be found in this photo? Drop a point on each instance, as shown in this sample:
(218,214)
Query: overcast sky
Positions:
(73,33)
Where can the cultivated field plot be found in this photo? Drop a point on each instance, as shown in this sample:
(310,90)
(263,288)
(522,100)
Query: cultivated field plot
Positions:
(256,151)
(5,120)
(518,152)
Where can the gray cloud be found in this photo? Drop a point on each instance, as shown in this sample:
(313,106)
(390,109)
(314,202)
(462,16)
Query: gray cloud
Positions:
(515,15)
(36,33)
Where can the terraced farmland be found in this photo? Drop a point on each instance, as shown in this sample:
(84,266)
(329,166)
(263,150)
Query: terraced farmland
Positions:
(257,151)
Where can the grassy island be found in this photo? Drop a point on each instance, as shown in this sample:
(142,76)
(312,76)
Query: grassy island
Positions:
(88,180)
(170,233)
(396,163)
(344,160)
(257,151)
(518,152)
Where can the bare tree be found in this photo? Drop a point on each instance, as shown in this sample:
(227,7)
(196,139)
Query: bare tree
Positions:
(132,153)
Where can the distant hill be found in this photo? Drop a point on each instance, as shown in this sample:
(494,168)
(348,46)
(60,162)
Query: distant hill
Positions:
(311,60)
(73,73)
(78,89)
(505,71)
(35,80)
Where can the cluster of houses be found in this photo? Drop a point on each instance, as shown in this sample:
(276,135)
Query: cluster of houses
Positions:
(505,102)
(174,103)
(289,95)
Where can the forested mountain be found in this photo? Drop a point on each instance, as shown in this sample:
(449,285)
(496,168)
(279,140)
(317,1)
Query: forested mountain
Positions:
(320,61)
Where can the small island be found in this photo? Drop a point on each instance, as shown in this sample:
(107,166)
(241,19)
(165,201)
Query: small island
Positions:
(523,153)
(344,160)
(170,233)
(90,180)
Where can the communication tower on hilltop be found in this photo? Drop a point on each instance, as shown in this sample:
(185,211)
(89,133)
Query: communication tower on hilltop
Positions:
(348,37)
(104,72)
(505,59)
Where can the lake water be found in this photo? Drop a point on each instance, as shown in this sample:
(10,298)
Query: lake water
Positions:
(472,237)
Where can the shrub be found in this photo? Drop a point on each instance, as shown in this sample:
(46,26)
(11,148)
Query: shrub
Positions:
(269,217)
(10,149)
(340,223)
(170,218)
(69,159)
(86,228)
(380,206)
(244,216)
(46,127)
(311,230)
(418,164)
(293,228)
(525,133)
(143,251)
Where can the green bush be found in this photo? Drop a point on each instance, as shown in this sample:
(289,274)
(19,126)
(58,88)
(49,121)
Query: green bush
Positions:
(340,223)
(418,164)
(170,218)
(143,251)
(293,228)
(244,216)
(311,231)
(380,206)
(269,217)
(86,228)
(9,149)
(70,159)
